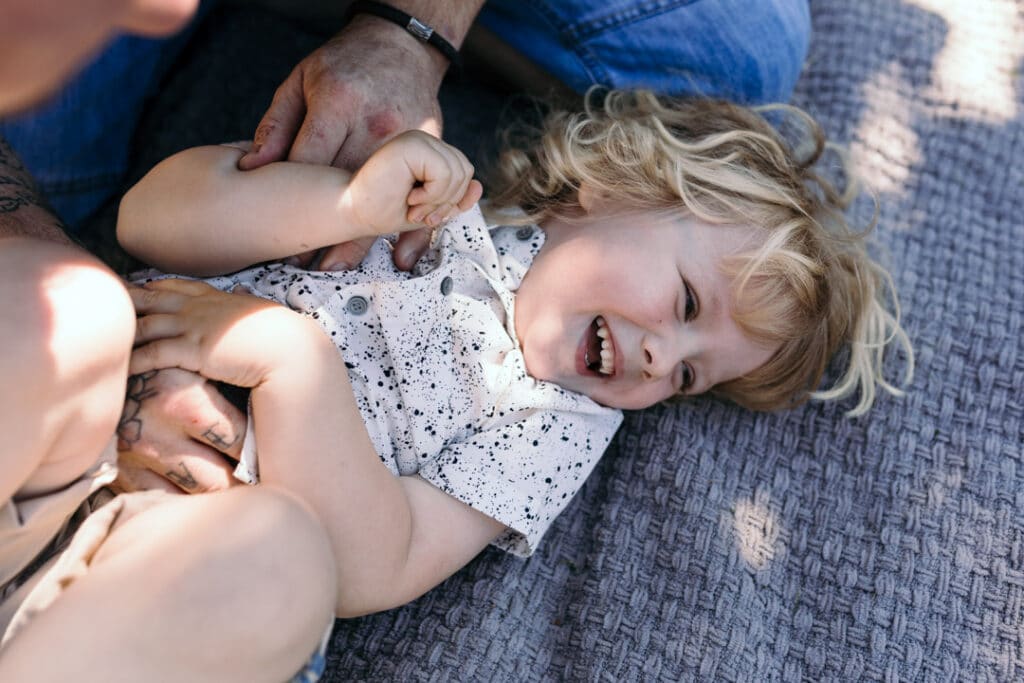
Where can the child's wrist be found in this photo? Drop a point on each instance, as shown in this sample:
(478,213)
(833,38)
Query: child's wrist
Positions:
(351,223)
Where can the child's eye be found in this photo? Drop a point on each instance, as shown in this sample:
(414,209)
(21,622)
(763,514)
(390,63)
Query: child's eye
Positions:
(691,303)
(687,377)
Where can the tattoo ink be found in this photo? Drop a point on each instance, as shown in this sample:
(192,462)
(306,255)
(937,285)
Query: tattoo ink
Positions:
(18,191)
(129,428)
(218,441)
(183,479)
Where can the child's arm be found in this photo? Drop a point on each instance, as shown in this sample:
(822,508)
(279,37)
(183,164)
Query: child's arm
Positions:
(393,537)
(196,213)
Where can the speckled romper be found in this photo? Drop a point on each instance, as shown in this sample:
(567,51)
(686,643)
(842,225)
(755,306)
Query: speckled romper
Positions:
(439,376)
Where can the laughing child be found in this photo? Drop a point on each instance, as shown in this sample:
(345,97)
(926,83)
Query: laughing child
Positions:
(641,250)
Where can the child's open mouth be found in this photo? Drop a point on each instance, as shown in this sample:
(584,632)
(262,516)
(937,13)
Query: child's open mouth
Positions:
(600,354)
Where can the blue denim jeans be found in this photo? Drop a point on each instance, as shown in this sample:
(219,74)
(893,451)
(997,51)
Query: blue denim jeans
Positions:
(747,51)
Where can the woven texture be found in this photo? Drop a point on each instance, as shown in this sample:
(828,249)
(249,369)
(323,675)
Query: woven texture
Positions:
(712,543)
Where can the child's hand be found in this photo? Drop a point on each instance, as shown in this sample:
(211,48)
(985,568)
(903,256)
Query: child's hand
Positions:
(234,338)
(413,180)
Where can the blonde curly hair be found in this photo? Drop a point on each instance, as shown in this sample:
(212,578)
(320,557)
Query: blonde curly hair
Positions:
(809,289)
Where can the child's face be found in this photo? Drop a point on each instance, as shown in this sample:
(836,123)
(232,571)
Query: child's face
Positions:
(649,285)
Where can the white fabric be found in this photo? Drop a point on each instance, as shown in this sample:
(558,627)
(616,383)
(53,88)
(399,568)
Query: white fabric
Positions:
(439,376)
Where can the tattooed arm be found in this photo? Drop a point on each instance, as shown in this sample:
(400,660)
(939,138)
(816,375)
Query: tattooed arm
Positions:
(23,212)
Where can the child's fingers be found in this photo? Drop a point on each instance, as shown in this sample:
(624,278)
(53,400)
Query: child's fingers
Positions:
(166,296)
(444,178)
(438,215)
(417,196)
(157,326)
(149,301)
(434,214)
(173,284)
(472,195)
(173,352)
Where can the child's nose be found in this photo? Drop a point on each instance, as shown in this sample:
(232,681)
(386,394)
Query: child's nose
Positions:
(661,354)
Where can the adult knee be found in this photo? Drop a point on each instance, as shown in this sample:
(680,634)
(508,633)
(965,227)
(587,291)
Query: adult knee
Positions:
(67,314)
(68,326)
(734,49)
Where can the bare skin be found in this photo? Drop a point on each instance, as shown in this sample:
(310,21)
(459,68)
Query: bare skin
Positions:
(68,327)
(368,84)
(340,104)
(393,537)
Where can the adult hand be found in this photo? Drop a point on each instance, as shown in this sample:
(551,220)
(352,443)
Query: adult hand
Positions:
(176,433)
(366,85)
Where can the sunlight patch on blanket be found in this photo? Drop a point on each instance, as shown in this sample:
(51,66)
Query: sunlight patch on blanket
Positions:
(757,532)
(977,67)
(885,147)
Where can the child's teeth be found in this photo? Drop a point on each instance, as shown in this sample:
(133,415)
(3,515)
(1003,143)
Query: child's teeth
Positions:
(607,349)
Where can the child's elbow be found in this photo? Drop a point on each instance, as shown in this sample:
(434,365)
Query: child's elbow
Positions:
(358,601)
(366,591)
(129,220)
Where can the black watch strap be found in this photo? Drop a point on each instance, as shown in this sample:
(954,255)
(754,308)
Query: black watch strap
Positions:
(419,30)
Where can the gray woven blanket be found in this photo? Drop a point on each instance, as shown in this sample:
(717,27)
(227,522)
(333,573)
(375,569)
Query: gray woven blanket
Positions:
(716,544)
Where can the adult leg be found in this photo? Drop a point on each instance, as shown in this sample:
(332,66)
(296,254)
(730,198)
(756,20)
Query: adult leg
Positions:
(744,51)
(67,327)
(236,585)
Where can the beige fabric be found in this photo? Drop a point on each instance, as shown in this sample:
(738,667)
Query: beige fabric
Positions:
(29,525)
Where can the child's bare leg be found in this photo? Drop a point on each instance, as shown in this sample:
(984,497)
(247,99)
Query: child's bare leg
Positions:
(236,585)
(67,326)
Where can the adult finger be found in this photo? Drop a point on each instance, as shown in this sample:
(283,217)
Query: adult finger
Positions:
(132,476)
(410,247)
(189,467)
(357,148)
(303,260)
(225,434)
(279,124)
(164,408)
(180,415)
(347,255)
(320,137)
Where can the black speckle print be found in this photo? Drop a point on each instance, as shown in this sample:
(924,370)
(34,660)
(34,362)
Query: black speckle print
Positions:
(440,379)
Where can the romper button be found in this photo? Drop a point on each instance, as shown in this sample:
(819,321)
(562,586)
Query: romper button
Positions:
(446,286)
(356,305)
(523,234)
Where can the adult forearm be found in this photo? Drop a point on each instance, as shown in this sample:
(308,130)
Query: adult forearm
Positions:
(197,214)
(23,213)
